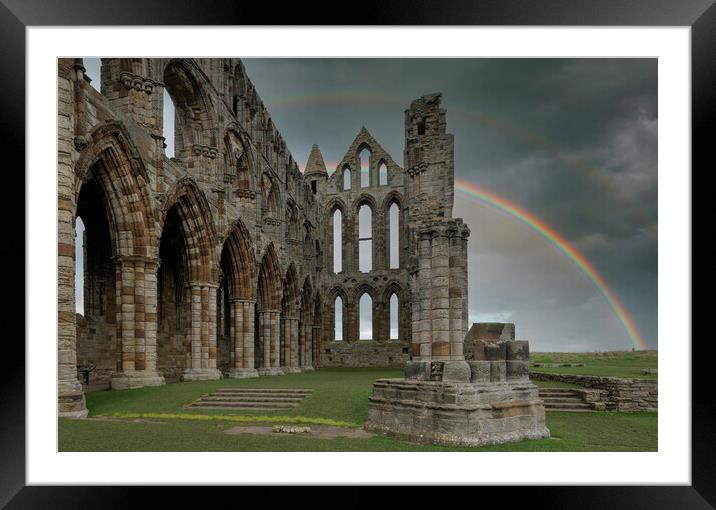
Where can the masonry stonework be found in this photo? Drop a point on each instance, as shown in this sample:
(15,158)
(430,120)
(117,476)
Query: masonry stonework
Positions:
(225,260)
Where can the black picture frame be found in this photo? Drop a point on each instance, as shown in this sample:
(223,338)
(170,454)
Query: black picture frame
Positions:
(16,15)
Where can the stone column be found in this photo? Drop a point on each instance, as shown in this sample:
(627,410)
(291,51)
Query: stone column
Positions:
(242,317)
(291,325)
(70,397)
(202,340)
(269,321)
(136,286)
(439,303)
(315,343)
(307,354)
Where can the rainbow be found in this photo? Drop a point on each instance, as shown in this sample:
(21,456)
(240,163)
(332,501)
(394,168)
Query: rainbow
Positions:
(474,191)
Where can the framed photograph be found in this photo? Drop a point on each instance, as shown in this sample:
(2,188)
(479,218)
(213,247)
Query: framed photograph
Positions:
(444,246)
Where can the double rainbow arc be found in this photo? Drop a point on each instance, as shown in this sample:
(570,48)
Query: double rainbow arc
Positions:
(474,191)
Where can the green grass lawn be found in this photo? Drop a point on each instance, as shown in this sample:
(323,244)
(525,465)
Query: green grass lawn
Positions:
(626,364)
(155,419)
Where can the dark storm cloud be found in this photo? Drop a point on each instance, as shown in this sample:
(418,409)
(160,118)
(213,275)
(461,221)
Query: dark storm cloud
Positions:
(573,141)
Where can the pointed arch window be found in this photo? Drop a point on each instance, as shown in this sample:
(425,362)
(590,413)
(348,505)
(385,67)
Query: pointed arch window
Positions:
(394,316)
(382,174)
(394,232)
(364,157)
(337,241)
(346,179)
(365,306)
(169,119)
(365,238)
(338,319)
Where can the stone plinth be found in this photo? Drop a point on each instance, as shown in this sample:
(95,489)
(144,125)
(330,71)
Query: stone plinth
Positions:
(487,400)
(243,373)
(457,414)
(271,371)
(201,374)
(137,379)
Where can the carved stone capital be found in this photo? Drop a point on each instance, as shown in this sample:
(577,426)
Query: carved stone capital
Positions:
(136,82)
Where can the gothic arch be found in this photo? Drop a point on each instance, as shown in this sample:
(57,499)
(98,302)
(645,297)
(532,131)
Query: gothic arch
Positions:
(238,159)
(292,220)
(330,209)
(269,288)
(291,294)
(238,255)
(270,195)
(329,314)
(114,162)
(268,313)
(188,88)
(393,197)
(197,226)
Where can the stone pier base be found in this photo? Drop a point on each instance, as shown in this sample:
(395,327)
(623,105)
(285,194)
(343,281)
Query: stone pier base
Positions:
(271,371)
(456,413)
(139,379)
(201,374)
(71,400)
(243,373)
(307,368)
(291,370)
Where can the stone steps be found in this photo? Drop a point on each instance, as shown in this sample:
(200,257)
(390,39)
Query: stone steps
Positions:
(230,404)
(252,398)
(245,398)
(567,407)
(562,399)
(304,391)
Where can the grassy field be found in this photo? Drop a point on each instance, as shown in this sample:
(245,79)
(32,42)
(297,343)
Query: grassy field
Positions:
(626,364)
(156,419)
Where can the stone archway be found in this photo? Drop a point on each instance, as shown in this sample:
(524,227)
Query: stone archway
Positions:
(238,301)
(306,333)
(290,333)
(189,286)
(268,314)
(108,190)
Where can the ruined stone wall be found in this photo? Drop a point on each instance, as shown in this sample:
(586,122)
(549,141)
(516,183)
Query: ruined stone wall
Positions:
(367,176)
(614,393)
(219,259)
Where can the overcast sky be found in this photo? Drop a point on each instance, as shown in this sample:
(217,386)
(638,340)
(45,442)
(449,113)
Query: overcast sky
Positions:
(572,141)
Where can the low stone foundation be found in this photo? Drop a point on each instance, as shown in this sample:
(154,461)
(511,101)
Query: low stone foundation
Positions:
(457,414)
(610,393)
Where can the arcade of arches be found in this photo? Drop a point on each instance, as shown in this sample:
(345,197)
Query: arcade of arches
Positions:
(224,259)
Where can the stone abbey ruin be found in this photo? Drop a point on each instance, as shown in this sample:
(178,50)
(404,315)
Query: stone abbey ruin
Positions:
(227,261)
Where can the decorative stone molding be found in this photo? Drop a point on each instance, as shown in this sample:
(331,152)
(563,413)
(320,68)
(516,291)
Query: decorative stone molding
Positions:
(205,150)
(417,169)
(272,221)
(245,193)
(136,82)
(81,142)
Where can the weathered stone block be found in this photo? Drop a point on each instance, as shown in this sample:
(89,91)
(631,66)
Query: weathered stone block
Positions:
(479,371)
(518,350)
(496,351)
(456,371)
(498,371)
(516,370)
(417,370)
